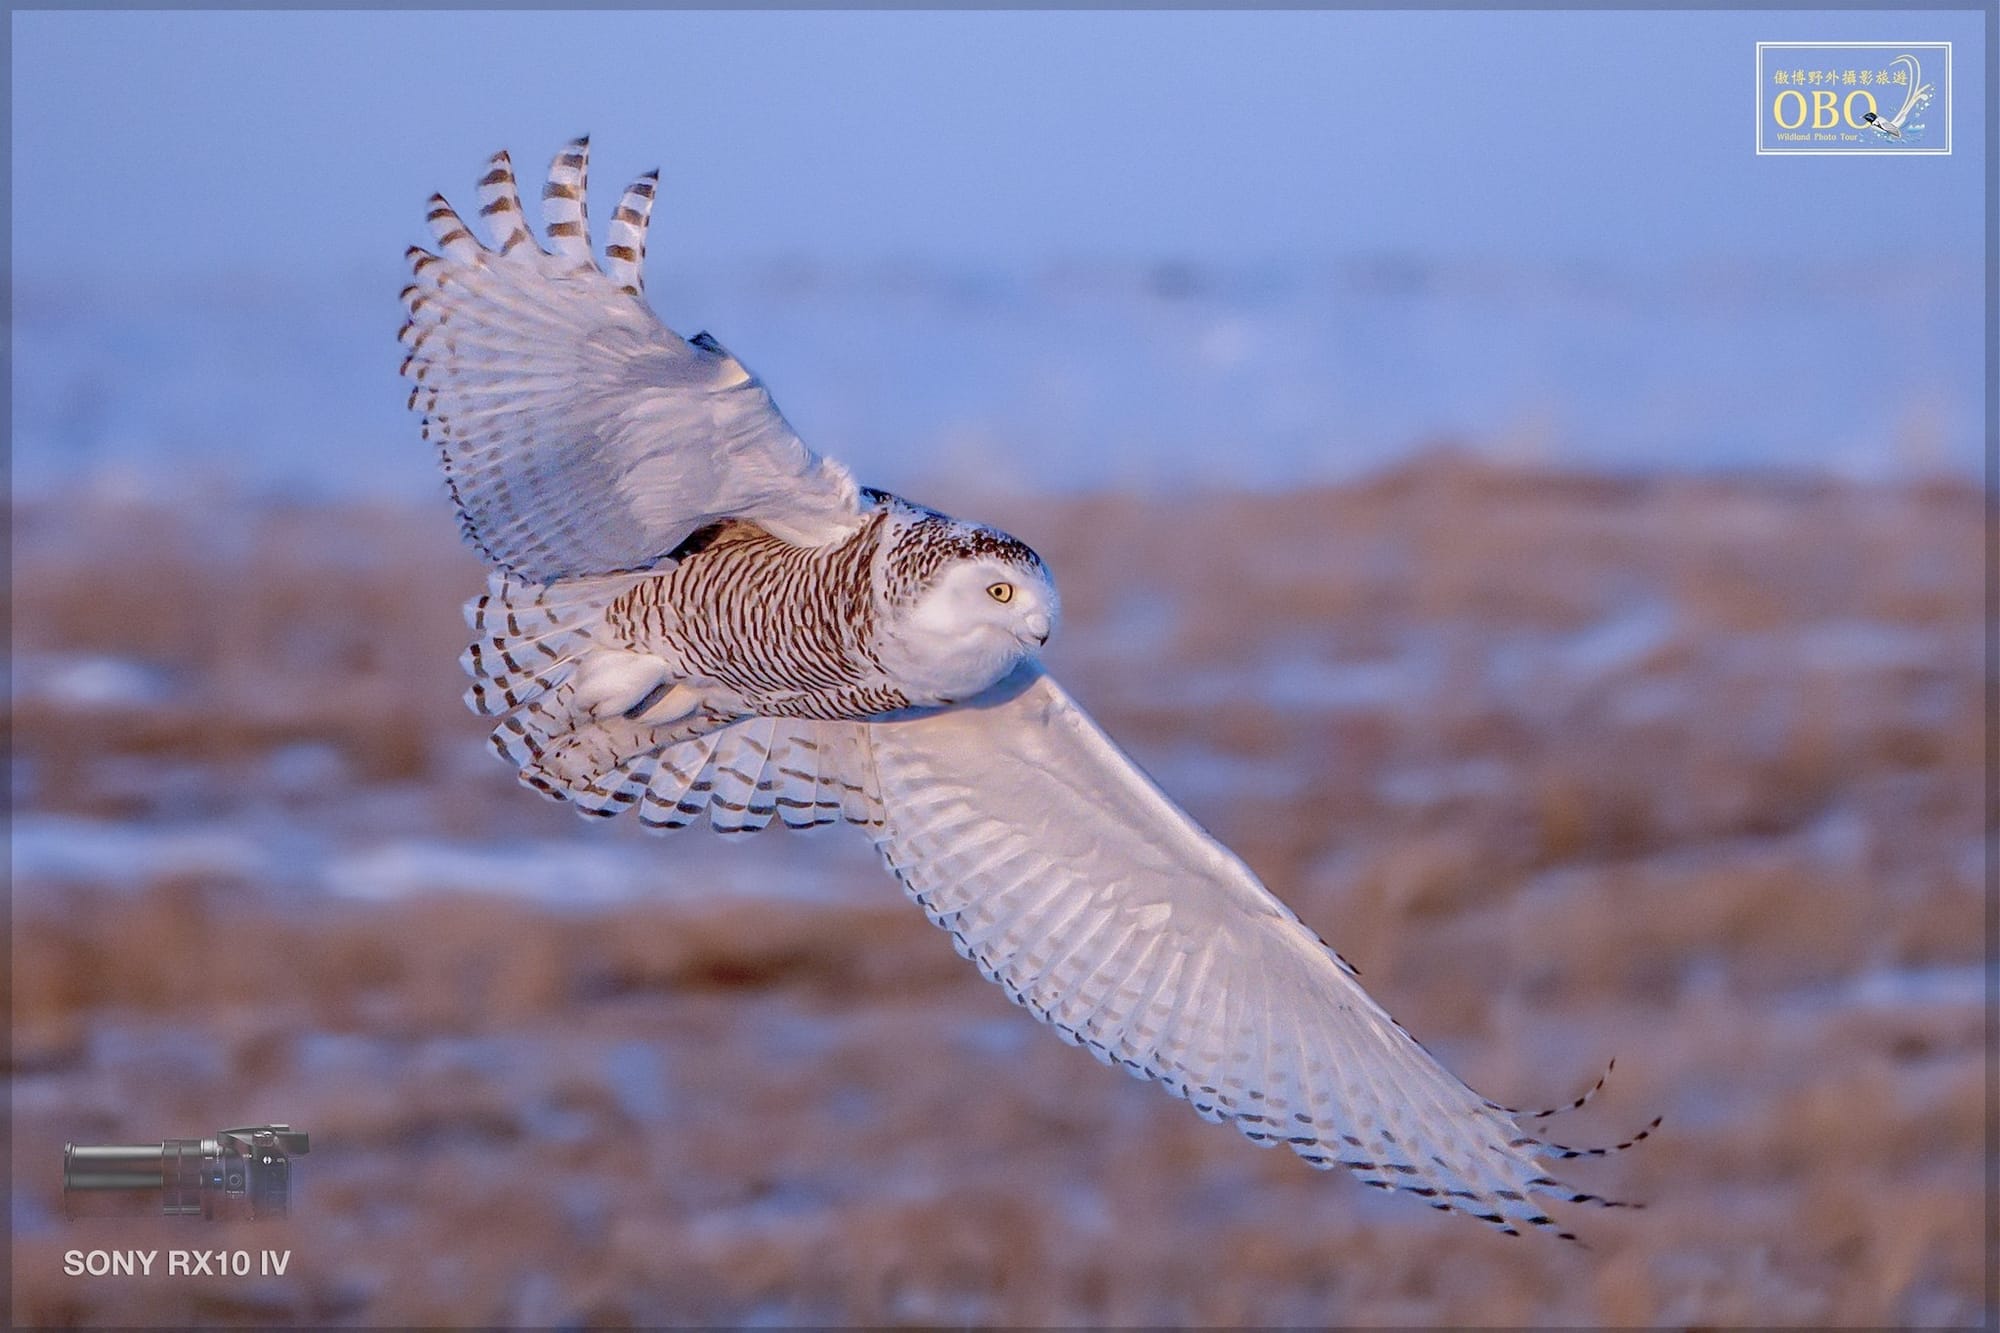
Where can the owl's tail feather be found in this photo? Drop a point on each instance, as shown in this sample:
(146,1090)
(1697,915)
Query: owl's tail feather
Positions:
(573,706)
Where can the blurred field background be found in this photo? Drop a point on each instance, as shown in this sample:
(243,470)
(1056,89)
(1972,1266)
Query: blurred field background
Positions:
(1679,770)
(1541,536)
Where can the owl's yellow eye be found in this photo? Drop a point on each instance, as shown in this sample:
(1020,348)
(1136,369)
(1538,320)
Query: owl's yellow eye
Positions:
(1000,592)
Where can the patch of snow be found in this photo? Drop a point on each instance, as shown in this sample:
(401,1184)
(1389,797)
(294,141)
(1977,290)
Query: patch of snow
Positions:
(1618,642)
(1436,784)
(1189,771)
(561,874)
(1918,988)
(1086,372)
(1648,699)
(1841,839)
(578,874)
(67,849)
(996,1036)
(1307,683)
(637,1074)
(587,874)
(306,768)
(1865,645)
(1139,627)
(91,681)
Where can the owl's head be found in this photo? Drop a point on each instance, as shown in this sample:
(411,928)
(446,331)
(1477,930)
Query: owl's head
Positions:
(998,593)
(976,602)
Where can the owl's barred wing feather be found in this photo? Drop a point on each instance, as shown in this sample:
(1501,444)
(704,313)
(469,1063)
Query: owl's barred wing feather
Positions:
(804,773)
(579,434)
(1074,883)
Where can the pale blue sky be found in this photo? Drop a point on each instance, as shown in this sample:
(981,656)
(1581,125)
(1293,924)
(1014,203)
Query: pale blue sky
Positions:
(1546,230)
(263,139)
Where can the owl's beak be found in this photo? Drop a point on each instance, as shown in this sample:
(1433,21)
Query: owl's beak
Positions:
(1038,626)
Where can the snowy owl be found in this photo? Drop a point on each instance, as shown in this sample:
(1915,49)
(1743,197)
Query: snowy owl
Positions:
(692,614)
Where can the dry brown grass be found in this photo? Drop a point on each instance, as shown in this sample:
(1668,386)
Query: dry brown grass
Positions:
(1684,771)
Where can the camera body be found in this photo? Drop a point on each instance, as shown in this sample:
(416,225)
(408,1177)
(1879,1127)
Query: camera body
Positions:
(238,1173)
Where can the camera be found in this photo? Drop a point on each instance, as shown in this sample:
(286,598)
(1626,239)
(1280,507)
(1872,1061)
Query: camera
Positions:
(238,1173)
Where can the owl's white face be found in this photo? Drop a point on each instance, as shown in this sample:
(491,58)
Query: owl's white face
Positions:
(979,618)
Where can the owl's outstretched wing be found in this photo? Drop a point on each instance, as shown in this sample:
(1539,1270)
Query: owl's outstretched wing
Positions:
(1097,903)
(579,434)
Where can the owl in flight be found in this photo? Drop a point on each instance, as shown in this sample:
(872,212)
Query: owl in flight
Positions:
(692,614)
